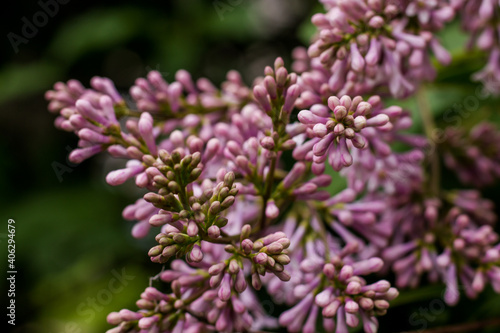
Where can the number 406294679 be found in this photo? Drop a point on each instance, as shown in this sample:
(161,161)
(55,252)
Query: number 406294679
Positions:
(12,246)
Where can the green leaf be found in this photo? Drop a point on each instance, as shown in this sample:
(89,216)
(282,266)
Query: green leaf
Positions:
(96,30)
(27,79)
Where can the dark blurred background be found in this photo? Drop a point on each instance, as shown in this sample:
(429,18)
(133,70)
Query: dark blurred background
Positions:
(75,258)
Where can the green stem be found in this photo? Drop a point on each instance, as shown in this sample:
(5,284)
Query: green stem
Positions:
(267,192)
(220,240)
(430,128)
(226,239)
(184,198)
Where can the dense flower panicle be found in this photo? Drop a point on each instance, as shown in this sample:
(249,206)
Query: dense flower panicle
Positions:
(164,312)
(344,124)
(63,100)
(474,156)
(183,96)
(95,122)
(140,211)
(154,175)
(482,19)
(368,45)
(242,140)
(449,243)
(358,221)
(277,90)
(397,174)
(335,288)
(157,313)
(238,192)
(214,289)
(431,14)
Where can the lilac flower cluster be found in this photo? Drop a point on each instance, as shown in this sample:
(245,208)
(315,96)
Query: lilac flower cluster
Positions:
(345,123)
(237,180)
(481,18)
(364,46)
(474,156)
(334,288)
(448,241)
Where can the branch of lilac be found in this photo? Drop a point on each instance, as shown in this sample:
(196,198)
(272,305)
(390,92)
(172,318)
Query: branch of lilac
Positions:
(232,216)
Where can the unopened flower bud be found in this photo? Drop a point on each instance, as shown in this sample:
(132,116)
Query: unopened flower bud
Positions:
(192,229)
(156,250)
(228,202)
(196,254)
(272,211)
(267,142)
(213,232)
(215,208)
(260,258)
(274,248)
(246,246)
(233,267)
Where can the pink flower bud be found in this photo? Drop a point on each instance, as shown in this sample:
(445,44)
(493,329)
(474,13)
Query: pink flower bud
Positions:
(261,96)
(331,310)
(267,142)
(192,229)
(79,155)
(146,130)
(272,211)
(270,85)
(225,288)
(378,120)
(260,258)
(323,298)
(196,254)
(293,92)
(307,117)
(147,322)
(213,232)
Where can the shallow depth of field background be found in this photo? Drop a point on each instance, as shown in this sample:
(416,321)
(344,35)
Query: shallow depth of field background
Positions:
(71,241)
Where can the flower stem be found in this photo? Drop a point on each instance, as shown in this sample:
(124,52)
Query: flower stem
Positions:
(430,129)
(267,192)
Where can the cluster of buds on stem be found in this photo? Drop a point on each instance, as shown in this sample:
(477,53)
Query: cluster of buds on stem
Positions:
(336,127)
(336,288)
(277,93)
(190,218)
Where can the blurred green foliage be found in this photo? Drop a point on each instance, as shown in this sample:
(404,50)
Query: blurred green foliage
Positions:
(70,236)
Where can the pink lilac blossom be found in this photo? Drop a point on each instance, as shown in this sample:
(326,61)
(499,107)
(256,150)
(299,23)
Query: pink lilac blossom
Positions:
(334,288)
(461,245)
(237,188)
(345,123)
(474,156)
(370,45)
(481,18)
